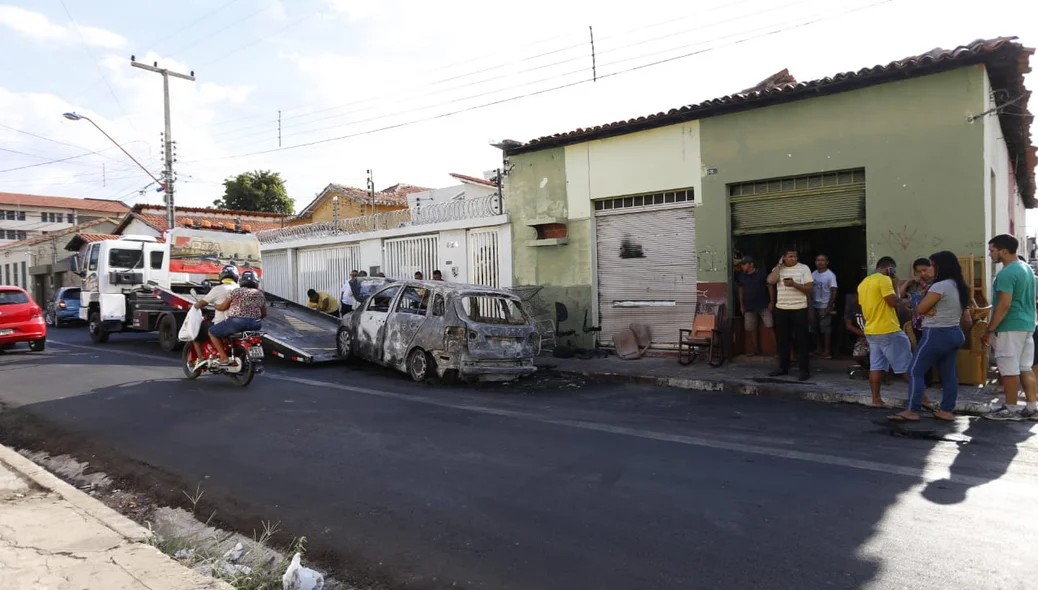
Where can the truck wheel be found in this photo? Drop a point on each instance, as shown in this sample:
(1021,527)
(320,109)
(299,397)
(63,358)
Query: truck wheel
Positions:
(38,345)
(169,337)
(97,329)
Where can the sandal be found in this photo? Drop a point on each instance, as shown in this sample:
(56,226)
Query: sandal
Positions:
(902,417)
(939,414)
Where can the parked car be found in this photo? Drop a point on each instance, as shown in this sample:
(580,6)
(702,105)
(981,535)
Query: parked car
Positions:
(21,320)
(427,328)
(64,308)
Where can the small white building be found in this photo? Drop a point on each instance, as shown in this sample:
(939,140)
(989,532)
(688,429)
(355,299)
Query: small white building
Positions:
(28,216)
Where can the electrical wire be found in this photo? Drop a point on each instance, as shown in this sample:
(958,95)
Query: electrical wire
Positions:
(263,37)
(192,23)
(194,44)
(78,147)
(545,90)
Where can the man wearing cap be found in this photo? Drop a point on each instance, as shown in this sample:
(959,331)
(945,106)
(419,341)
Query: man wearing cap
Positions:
(757,300)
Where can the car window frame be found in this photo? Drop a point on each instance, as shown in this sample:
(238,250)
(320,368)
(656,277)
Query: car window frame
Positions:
(400,300)
(371,299)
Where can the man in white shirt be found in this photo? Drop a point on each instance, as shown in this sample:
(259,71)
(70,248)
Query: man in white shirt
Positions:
(822,301)
(215,296)
(793,286)
(346,298)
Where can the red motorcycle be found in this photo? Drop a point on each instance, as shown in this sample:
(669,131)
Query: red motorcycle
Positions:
(244,349)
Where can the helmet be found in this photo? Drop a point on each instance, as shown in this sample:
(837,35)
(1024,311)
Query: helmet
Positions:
(229,272)
(249,279)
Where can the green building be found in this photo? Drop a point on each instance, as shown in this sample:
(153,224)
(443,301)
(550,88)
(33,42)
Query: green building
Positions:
(639,220)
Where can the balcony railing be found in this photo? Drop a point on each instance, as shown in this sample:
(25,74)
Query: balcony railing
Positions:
(477,208)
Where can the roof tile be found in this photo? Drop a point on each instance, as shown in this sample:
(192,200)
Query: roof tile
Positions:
(103,205)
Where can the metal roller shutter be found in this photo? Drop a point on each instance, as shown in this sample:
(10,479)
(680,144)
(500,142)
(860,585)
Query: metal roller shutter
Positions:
(832,199)
(647,271)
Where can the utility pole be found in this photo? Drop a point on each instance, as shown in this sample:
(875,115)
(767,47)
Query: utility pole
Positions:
(171,219)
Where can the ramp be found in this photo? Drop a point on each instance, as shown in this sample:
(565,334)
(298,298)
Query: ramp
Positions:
(297,333)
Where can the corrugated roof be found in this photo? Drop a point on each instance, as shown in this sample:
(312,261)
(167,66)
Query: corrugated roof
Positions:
(155,217)
(1005,59)
(101,205)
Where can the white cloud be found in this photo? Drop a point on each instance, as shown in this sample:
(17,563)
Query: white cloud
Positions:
(355,9)
(37,26)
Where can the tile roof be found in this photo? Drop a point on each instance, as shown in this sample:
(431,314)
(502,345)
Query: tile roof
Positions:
(1005,59)
(155,217)
(395,195)
(467,178)
(103,205)
(58,233)
(81,239)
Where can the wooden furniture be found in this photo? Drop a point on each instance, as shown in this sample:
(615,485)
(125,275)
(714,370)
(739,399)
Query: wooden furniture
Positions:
(703,337)
(972,361)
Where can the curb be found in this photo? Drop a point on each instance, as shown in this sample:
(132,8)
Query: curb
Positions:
(92,507)
(775,390)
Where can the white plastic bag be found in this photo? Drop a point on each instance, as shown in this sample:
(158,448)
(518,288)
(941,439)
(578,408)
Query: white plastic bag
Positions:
(192,324)
(298,577)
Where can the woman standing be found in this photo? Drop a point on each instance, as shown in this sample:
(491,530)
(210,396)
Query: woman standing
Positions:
(942,310)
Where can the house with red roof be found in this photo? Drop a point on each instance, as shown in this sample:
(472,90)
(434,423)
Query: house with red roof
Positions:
(27,216)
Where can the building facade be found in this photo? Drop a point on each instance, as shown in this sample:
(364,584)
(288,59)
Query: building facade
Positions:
(639,221)
(344,202)
(28,216)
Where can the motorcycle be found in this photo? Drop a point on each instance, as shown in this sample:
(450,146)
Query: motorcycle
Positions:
(245,350)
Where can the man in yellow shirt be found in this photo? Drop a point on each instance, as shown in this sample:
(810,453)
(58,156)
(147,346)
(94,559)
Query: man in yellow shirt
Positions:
(322,302)
(889,346)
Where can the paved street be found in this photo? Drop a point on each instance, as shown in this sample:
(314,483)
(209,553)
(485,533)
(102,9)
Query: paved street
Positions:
(551,485)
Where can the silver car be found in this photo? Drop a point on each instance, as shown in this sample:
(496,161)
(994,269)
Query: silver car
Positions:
(427,328)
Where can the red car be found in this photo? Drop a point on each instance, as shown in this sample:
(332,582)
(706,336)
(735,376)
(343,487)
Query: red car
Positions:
(21,320)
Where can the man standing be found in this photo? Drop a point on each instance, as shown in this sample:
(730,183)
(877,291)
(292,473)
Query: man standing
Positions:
(793,286)
(889,346)
(1012,323)
(757,300)
(346,296)
(822,301)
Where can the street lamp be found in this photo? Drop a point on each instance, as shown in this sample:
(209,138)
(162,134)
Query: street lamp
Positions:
(78,117)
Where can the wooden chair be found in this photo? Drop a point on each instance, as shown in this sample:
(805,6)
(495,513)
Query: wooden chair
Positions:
(704,334)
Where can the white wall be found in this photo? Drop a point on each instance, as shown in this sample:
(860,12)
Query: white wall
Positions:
(370,254)
(651,161)
(453,256)
(435,196)
(139,228)
(999,205)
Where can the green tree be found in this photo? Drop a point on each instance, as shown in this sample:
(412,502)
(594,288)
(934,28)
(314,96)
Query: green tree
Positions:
(261,190)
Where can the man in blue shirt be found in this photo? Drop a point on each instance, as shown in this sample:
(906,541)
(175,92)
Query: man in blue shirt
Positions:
(1012,324)
(757,300)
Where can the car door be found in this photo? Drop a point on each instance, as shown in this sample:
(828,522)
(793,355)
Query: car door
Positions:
(372,321)
(403,324)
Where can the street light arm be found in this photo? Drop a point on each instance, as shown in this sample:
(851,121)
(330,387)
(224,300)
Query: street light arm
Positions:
(148,172)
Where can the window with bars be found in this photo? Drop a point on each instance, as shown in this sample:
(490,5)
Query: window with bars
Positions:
(666,198)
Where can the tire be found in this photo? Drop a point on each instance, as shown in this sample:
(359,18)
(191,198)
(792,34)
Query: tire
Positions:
(97,329)
(169,337)
(344,344)
(38,345)
(49,318)
(248,368)
(184,364)
(419,365)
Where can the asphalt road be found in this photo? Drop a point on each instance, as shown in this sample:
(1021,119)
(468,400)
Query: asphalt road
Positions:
(549,484)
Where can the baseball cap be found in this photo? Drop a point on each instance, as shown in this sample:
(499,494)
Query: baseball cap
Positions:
(747,259)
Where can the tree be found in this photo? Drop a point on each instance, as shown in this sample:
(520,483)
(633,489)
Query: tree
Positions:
(261,190)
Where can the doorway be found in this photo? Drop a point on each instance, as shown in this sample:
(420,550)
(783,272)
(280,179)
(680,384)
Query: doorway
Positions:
(848,259)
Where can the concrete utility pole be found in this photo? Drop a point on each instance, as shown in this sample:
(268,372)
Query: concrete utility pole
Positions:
(171,219)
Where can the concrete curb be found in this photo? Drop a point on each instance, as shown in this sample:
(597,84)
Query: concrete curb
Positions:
(733,386)
(81,501)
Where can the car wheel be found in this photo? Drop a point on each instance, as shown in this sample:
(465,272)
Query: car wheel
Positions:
(344,344)
(38,345)
(419,365)
(48,318)
(97,329)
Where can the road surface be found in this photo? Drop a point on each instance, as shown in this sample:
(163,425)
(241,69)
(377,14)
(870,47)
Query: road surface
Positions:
(551,484)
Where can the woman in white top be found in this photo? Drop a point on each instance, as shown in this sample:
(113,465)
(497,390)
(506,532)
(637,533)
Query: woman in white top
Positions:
(942,309)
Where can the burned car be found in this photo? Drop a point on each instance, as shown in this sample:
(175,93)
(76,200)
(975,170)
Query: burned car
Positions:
(427,328)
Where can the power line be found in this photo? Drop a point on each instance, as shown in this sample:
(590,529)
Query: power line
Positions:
(93,60)
(258,39)
(195,43)
(78,147)
(193,22)
(55,161)
(546,90)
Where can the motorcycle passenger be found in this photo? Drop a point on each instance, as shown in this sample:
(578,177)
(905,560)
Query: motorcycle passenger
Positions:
(245,308)
(216,296)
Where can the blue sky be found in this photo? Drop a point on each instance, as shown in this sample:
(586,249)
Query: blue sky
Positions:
(350,69)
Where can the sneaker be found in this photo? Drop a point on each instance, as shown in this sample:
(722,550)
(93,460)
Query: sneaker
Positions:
(1003,414)
(1029,415)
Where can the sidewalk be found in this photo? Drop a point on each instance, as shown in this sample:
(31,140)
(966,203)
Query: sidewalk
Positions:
(54,537)
(748,375)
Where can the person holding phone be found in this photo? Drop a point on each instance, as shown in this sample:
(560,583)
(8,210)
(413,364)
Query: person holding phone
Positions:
(793,287)
(889,346)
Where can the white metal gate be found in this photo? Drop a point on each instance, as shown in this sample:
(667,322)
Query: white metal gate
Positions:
(484,258)
(406,256)
(276,278)
(325,269)
(647,269)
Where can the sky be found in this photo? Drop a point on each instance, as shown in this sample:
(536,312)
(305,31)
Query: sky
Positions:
(409,89)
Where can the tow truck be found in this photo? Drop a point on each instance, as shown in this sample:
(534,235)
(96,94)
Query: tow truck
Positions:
(137,283)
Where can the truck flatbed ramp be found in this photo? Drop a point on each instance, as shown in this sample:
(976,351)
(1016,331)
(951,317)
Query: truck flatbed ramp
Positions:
(297,333)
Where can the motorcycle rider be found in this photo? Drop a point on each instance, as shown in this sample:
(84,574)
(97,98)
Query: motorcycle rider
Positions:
(216,296)
(245,308)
